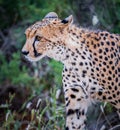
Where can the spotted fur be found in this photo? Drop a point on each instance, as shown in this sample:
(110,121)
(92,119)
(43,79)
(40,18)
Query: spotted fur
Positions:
(91,63)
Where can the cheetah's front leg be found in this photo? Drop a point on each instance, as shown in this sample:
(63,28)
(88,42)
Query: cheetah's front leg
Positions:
(76,98)
(76,108)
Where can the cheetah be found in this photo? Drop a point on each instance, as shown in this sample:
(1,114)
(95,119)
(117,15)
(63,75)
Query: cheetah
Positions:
(91,62)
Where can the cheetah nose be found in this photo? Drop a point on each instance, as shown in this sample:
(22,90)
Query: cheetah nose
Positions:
(25,52)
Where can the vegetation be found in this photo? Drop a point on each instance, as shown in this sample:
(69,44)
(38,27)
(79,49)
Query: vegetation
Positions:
(42,78)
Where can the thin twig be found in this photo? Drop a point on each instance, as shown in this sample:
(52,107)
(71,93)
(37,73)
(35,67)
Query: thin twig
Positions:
(114,127)
(105,115)
(2,35)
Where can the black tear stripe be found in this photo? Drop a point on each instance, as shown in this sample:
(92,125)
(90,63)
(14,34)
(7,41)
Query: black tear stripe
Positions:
(36,54)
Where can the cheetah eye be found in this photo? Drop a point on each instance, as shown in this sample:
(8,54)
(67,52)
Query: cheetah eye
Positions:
(38,38)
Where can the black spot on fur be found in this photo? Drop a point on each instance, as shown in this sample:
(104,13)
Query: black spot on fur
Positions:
(67,128)
(74,89)
(99,93)
(72,96)
(81,63)
(113,44)
(70,112)
(78,99)
(108,43)
(102,43)
(67,103)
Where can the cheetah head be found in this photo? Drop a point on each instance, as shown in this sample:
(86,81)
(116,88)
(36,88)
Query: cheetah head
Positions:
(44,36)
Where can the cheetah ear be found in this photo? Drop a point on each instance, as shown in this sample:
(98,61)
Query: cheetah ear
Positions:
(51,15)
(67,20)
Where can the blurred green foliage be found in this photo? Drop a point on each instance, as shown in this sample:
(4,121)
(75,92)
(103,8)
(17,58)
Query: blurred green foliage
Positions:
(29,10)
(9,11)
(11,72)
(57,72)
(108,12)
(36,10)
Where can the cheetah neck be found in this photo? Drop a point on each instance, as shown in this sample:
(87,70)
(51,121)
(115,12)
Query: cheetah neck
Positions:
(76,37)
(58,53)
(70,47)
(75,44)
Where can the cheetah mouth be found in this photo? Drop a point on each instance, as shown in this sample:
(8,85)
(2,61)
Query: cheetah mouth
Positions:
(34,59)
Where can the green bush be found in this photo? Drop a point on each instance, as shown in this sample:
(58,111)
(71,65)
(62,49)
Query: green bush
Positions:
(11,72)
(9,13)
(109,14)
(36,10)
(13,11)
(57,68)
